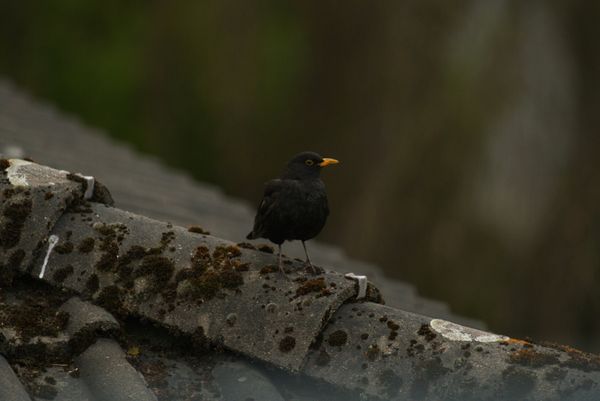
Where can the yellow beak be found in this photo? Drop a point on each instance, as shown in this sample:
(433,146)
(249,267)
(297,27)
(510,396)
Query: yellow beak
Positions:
(327,161)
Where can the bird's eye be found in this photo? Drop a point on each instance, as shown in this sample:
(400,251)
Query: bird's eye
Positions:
(309,162)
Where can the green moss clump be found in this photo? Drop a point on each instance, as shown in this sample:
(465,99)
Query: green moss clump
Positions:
(92,284)
(265,248)
(207,285)
(198,230)
(61,274)
(159,267)
(209,274)
(231,279)
(315,285)
(111,298)
(287,344)
(337,338)
(15,214)
(86,245)
(64,248)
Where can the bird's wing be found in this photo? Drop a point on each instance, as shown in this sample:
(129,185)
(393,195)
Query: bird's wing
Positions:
(267,204)
(272,189)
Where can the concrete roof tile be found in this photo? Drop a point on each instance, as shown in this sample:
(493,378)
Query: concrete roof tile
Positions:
(364,351)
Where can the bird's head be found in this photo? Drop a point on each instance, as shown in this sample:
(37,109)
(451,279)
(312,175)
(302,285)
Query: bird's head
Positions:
(306,165)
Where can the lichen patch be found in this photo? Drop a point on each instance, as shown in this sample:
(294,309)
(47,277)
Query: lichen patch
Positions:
(456,332)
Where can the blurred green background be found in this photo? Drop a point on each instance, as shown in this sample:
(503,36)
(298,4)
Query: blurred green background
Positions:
(468,130)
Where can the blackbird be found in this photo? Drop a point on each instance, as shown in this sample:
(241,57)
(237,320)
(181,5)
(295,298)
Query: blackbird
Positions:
(294,206)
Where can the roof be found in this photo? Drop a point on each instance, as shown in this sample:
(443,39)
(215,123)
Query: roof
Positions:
(100,303)
(141,184)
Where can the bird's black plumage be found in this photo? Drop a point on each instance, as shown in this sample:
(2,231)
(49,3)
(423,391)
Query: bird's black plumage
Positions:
(294,206)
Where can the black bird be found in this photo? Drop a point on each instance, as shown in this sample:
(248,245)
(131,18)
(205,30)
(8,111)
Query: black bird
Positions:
(294,206)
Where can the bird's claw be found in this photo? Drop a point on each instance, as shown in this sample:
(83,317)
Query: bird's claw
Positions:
(312,270)
(282,271)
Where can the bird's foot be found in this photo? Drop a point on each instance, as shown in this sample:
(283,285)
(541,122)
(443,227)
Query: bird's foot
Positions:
(282,271)
(311,269)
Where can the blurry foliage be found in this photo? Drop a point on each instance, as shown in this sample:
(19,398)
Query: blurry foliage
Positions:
(415,97)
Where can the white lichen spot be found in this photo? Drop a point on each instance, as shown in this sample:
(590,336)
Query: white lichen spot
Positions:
(52,241)
(141,284)
(384,345)
(456,332)
(15,177)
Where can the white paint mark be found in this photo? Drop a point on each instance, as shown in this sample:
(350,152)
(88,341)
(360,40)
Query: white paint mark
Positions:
(52,241)
(362,284)
(89,190)
(456,332)
(13,175)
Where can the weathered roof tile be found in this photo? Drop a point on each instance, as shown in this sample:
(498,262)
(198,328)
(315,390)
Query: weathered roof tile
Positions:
(106,372)
(142,185)
(151,270)
(10,386)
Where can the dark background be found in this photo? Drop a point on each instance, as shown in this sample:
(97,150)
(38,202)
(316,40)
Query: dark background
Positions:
(467,130)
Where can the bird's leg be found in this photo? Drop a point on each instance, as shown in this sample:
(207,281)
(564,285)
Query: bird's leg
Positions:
(312,268)
(279,258)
